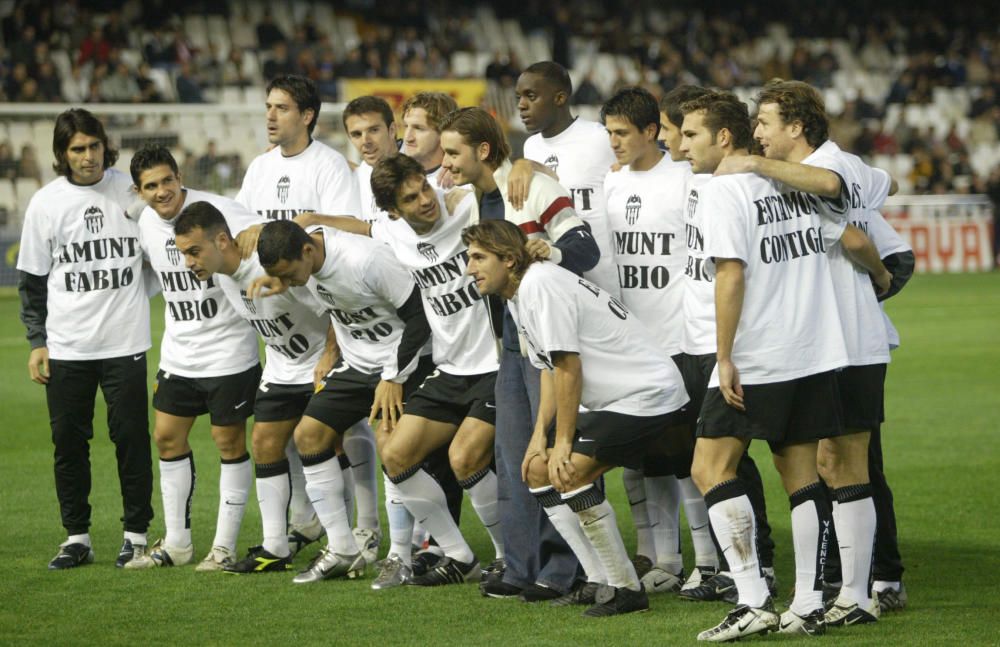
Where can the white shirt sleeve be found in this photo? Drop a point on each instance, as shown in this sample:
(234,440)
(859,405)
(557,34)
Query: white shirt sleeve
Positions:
(878,188)
(35,253)
(834,211)
(726,222)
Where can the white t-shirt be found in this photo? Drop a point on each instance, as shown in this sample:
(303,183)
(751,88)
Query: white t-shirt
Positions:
(699,280)
(624,368)
(581,156)
(203,335)
(81,238)
(292,324)
(860,316)
(646,217)
(789,326)
(463,341)
(362,284)
(370,212)
(318,179)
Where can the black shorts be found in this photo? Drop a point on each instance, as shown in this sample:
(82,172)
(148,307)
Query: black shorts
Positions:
(618,438)
(347,394)
(861,396)
(279,402)
(444,397)
(228,399)
(696,370)
(803,410)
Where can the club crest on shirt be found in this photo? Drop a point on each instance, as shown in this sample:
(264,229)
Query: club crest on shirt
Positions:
(283,185)
(553,163)
(248,302)
(427,251)
(632,207)
(173,254)
(325,294)
(93,217)
(692,203)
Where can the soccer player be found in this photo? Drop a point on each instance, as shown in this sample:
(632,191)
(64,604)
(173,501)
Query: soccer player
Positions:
(381,331)
(457,403)
(645,201)
(295,329)
(371,127)
(711,579)
(301,175)
(422,117)
(84,306)
(587,344)
(208,364)
(792,129)
(575,150)
(539,563)
(771,382)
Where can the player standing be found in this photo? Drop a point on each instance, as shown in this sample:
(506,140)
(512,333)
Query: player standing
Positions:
(84,305)
(208,364)
(477,153)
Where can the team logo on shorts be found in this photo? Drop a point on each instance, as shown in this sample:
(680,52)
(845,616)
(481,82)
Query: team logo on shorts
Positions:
(248,302)
(326,295)
(93,217)
(692,203)
(427,251)
(632,207)
(283,185)
(173,254)
(553,163)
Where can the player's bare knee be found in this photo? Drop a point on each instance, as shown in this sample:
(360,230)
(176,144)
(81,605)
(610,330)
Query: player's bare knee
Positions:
(394,460)
(538,474)
(230,441)
(267,448)
(466,460)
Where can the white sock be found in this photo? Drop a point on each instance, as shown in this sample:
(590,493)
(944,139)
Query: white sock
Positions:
(136,538)
(601,528)
(663,504)
(425,500)
(635,490)
(806,537)
(697,518)
(177,487)
(736,529)
(567,524)
(325,486)
(855,523)
(359,445)
(400,522)
(348,476)
(881,585)
(273,493)
(482,489)
(234,490)
(300,511)
(78,539)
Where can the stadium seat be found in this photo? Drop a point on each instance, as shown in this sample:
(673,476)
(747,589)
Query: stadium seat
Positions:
(8,196)
(20,133)
(24,188)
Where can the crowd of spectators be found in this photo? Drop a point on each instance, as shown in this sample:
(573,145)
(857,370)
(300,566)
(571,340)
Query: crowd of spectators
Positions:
(125,52)
(25,166)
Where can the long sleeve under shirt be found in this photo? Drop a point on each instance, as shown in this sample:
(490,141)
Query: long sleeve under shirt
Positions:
(578,249)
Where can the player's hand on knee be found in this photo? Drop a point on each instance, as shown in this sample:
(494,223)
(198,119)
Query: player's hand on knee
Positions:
(38,365)
(729,384)
(388,403)
(531,455)
(562,472)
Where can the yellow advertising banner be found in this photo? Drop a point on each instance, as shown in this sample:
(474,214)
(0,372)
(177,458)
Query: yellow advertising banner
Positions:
(466,92)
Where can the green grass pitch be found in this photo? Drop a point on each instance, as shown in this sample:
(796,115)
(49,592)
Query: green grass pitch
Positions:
(942,451)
